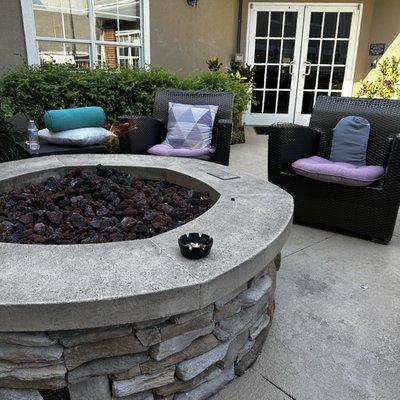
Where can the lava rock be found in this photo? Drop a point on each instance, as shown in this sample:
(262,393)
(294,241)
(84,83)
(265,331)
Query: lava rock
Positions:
(95,223)
(102,211)
(96,206)
(78,220)
(56,217)
(40,228)
(128,222)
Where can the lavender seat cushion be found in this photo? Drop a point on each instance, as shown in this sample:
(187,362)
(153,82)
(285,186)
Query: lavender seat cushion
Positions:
(167,150)
(190,126)
(320,169)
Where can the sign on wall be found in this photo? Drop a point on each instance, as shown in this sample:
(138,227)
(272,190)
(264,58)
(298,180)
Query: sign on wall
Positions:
(377,49)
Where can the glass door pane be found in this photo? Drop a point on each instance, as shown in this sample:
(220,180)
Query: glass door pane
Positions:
(276,43)
(327,47)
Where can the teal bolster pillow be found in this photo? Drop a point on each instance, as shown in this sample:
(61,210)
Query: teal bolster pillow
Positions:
(74,118)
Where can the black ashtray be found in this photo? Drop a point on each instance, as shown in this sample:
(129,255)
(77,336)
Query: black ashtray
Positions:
(195,245)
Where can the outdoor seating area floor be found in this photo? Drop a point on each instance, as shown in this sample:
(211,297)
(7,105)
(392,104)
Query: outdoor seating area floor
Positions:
(335,329)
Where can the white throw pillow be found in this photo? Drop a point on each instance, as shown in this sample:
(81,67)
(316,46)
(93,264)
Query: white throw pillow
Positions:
(77,137)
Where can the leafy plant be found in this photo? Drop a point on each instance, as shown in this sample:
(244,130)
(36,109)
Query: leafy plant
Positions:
(214,64)
(33,90)
(223,82)
(386,85)
(243,72)
(8,142)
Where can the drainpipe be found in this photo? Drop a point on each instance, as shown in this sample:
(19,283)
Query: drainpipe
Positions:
(239,26)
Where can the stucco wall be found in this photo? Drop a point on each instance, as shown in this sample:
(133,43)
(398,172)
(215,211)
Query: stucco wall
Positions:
(385,29)
(12,40)
(183,37)
(386,22)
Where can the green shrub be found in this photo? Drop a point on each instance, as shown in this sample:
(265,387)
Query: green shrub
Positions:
(386,84)
(34,89)
(238,136)
(8,142)
(222,82)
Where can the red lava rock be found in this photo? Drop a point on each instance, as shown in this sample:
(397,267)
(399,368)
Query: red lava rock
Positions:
(130,212)
(39,238)
(56,217)
(128,222)
(26,219)
(167,209)
(96,206)
(102,211)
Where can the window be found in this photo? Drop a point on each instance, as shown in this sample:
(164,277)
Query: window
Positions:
(87,32)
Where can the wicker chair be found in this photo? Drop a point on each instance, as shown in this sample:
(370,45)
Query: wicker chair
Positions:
(148,131)
(369,211)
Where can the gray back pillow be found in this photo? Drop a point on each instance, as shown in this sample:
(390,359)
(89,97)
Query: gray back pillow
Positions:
(350,140)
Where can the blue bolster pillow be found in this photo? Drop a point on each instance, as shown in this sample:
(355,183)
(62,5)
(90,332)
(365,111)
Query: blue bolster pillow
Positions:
(74,118)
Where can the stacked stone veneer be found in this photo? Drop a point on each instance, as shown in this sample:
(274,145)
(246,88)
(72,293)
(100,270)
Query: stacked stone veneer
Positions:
(187,356)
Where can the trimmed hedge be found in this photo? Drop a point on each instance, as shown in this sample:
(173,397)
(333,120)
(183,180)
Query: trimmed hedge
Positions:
(8,142)
(35,89)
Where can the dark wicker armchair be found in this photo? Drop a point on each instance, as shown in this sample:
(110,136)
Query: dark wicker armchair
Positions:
(148,131)
(369,211)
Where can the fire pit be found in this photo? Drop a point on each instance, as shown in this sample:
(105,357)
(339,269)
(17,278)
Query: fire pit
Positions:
(134,318)
(96,206)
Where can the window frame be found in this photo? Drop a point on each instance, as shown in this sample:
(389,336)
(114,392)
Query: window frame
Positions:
(31,39)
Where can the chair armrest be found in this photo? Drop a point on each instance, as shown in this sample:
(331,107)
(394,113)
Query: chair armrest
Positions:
(222,141)
(288,143)
(391,181)
(138,133)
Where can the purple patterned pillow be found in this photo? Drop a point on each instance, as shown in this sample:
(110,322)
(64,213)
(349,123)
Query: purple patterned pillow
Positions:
(190,126)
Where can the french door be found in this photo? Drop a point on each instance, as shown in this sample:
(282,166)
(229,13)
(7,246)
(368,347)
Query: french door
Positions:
(299,52)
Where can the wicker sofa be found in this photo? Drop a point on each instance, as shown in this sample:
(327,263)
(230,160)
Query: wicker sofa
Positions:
(369,211)
(146,132)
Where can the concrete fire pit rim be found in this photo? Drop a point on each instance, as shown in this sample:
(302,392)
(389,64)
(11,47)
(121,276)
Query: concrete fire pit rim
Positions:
(33,302)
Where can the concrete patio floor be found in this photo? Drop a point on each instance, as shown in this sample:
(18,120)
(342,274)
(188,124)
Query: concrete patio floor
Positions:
(336,329)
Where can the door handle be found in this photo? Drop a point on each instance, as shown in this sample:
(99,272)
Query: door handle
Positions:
(307,69)
(291,64)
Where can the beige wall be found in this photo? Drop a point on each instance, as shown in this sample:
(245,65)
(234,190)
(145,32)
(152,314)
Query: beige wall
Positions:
(384,29)
(182,38)
(12,39)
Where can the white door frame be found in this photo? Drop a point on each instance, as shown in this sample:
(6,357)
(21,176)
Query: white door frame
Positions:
(304,119)
(257,119)
(250,42)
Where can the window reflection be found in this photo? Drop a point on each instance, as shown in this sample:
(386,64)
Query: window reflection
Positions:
(116,21)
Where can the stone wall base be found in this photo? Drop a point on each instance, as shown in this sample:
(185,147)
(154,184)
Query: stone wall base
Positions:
(186,356)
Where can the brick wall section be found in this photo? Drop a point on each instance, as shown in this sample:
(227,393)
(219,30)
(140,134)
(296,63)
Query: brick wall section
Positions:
(111,51)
